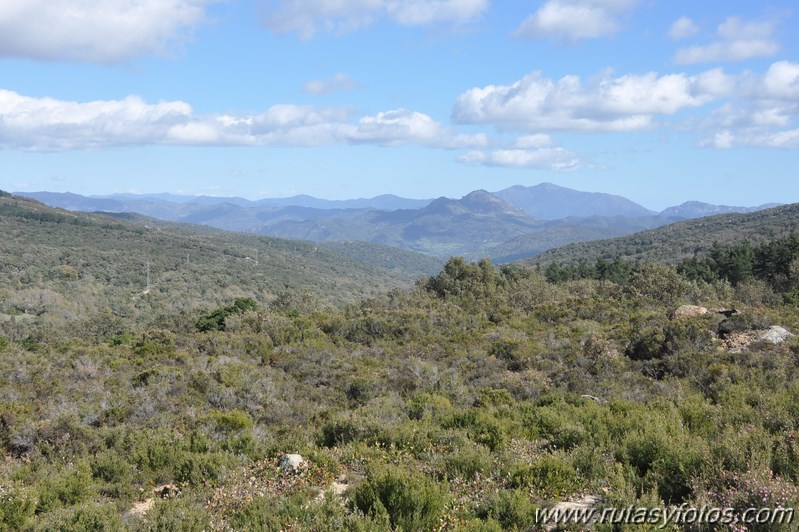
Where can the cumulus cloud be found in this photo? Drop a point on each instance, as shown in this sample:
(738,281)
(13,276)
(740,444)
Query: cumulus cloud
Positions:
(100,31)
(536,151)
(763,112)
(308,17)
(738,40)
(337,83)
(575,19)
(781,82)
(682,28)
(625,103)
(540,158)
(402,126)
(47,124)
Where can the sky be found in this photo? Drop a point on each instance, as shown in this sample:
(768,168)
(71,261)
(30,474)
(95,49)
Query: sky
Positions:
(661,101)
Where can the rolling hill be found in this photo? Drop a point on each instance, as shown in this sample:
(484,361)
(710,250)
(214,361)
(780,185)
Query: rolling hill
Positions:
(70,262)
(674,242)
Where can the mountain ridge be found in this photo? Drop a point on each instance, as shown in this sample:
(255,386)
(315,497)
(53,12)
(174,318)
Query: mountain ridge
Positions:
(683,239)
(510,224)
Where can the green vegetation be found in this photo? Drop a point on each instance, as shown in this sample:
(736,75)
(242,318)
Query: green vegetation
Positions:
(683,240)
(463,403)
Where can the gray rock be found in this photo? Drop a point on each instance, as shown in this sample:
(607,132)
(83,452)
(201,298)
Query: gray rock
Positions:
(775,335)
(292,463)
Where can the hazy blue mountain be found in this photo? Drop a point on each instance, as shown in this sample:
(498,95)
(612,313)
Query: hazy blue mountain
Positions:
(388,202)
(75,202)
(445,227)
(697,209)
(515,223)
(177,198)
(552,202)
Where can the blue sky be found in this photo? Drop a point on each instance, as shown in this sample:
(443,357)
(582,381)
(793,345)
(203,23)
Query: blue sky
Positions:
(661,101)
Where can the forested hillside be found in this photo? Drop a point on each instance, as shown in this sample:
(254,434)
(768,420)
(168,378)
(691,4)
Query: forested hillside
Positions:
(677,241)
(72,264)
(464,403)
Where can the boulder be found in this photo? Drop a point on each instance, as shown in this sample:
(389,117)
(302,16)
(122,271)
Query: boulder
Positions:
(292,463)
(688,311)
(775,335)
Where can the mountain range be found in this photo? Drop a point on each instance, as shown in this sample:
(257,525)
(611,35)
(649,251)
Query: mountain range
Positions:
(514,223)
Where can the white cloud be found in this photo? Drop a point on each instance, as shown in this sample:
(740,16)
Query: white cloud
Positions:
(402,126)
(761,114)
(540,158)
(575,19)
(101,31)
(777,139)
(539,140)
(337,83)
(785,139)
(738,40)
(47,124)
(629,102)
(721,140)
(682,28)
(536,151)
(781,82)
(308,17)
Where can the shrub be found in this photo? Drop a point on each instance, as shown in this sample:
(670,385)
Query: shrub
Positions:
(481,428)
(233,421)
(92,516)
(744,321)
(215,321)
(429,406)
(110,467)
(467,462)
(176,514)
(71,487)
(551,476)
(512,509)
(753,489)
(409,500)
(671,462)
(201,469)
(15,510)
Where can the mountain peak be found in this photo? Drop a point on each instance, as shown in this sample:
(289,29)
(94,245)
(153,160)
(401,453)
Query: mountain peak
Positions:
(483,202)
(552,202)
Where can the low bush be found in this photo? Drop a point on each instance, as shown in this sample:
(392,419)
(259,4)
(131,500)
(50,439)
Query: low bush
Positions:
(411,501)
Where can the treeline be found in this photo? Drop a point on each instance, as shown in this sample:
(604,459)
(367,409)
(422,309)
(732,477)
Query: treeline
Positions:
(774,263)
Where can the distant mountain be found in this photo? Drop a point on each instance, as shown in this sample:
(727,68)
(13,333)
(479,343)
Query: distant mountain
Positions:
(697,209)
(445,227)
(176,198)
(552,202)
(75,202)
(674,242)
(386,202)
(515,223)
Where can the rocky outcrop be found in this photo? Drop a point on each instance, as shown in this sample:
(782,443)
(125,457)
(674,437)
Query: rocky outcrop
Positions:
(739,340)
(688,311)
(775,335)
